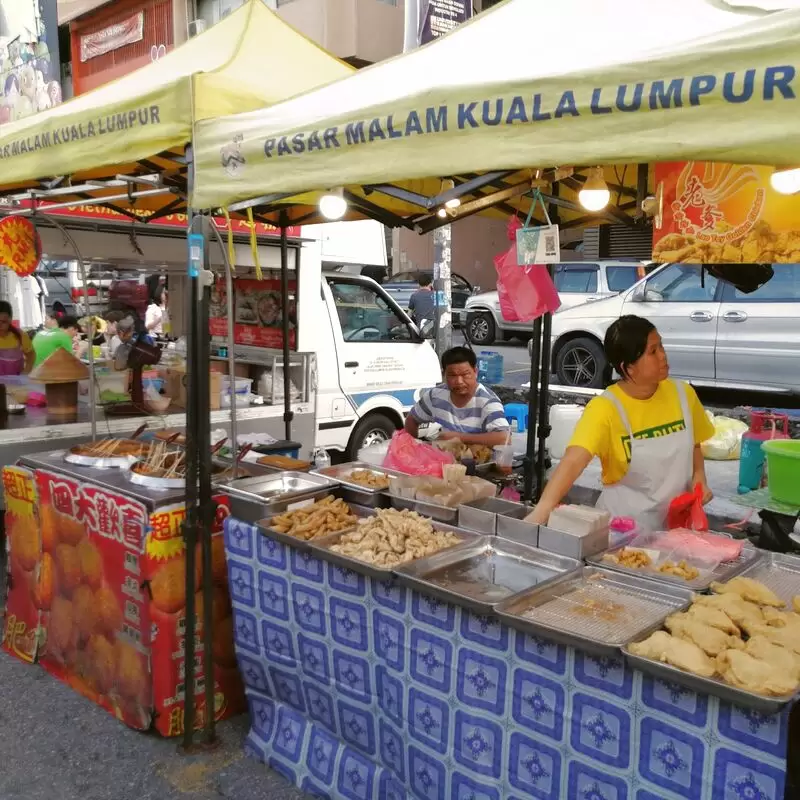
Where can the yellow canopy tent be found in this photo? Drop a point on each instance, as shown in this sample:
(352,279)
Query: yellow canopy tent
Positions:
(141,123)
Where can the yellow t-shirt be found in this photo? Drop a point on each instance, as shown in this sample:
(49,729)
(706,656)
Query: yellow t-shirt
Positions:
(602,432)
(9,341)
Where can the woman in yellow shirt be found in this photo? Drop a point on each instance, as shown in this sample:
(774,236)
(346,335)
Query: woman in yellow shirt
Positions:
(646,430)
(16,348)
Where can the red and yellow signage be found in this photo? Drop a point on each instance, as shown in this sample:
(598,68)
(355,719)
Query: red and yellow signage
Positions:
(20,246)
(724,213)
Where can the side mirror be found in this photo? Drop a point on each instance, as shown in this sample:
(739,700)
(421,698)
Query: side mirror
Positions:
(637,296)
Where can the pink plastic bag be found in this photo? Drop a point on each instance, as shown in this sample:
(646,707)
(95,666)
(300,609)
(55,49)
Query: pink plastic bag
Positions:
(525,293)
(407,454)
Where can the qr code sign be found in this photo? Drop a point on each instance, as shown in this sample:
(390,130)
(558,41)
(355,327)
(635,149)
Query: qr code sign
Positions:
(550,245)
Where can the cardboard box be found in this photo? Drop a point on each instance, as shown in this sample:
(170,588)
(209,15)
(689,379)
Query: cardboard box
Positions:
(177,386)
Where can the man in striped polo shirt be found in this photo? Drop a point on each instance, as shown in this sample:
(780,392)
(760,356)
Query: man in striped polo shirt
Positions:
(464,408)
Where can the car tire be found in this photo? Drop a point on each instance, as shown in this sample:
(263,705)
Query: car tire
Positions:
(371,429)
(582,363)
(481,329)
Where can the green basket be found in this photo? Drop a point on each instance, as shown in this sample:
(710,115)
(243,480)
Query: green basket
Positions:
(783,469)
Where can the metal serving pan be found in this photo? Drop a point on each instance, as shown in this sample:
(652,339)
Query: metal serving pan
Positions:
(723,572)
(299,544)
(445,514)
(594,609)
(354,492)
(778,571)
(482,515)
(178,482)
(321,548)
(279,487)
(712,686)
(485,572)
(74,456)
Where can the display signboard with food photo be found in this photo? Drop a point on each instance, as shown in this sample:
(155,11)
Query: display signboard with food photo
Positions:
(724,213)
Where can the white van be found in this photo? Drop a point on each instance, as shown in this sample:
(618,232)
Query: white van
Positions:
(371,364)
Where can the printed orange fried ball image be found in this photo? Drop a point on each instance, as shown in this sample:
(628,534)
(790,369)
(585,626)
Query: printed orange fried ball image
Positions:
(48,523)
(24,541)
(70,531)
(220,606)
(109,614)
(219,566)
(68,568)
(44,583)
(222,647)
(84,612)
(91,563)
(59,627)
(102,663)
(131,672)
(168,586)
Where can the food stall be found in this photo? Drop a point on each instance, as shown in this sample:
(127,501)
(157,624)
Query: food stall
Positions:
(404,680)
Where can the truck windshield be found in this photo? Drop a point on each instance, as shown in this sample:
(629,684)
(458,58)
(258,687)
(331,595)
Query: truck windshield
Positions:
(365,316)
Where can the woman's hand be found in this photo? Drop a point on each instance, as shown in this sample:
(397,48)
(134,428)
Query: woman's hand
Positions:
(539,516)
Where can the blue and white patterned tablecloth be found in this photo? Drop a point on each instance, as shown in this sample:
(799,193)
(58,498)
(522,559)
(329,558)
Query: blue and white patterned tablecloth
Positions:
(361,689)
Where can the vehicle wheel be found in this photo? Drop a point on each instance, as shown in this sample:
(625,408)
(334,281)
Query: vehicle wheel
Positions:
(508,336)
(481,328)
(582,362)
(372,429)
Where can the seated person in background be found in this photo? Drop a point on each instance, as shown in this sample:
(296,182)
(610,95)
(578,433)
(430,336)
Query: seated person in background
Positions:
(46,342)
(464,408)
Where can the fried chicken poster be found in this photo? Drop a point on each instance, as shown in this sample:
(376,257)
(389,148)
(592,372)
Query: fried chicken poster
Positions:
(723,214)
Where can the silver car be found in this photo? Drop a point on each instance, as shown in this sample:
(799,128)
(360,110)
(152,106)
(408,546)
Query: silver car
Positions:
(579,282)
(714,334)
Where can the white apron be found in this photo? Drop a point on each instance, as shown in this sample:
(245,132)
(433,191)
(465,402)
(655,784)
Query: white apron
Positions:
(659,470)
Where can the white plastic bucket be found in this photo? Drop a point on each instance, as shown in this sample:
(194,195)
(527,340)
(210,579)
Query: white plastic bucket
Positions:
(563,419)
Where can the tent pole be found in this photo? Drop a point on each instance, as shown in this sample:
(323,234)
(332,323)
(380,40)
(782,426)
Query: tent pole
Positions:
(544,396)
(287,383)
(533,409)
(442,252)
(411,25)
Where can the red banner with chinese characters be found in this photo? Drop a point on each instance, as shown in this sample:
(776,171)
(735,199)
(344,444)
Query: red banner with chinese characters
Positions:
(20,245)
(29,585)
(724,213)
(257,314)
(95,213)
(165,571)
(97,628)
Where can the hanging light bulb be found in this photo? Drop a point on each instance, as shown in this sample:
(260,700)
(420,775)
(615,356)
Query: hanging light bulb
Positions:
(594,196)
(447,185)
(332,204)
(442,212)
(786,181)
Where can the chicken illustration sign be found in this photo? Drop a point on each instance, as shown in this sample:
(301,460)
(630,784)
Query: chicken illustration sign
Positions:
(724,213)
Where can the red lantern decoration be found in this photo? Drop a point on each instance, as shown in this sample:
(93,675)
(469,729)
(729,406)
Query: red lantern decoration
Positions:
(20,245)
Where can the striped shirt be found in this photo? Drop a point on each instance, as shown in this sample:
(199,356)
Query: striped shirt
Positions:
(483,414)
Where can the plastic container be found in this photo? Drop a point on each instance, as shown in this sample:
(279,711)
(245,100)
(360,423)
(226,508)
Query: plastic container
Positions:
(783,470)
(242,400)
(243,385)
(563,419)
(490,367)
(764,426)
(504,457)
(285,447)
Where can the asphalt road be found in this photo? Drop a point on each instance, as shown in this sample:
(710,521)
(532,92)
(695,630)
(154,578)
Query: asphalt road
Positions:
(56,744)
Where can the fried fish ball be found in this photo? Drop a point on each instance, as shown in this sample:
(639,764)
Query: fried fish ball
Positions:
(91,563)
(68,568)
(168,586)
(131,679)
(108,611)
(44,583)
(25,541)
(101,662)
(59,626)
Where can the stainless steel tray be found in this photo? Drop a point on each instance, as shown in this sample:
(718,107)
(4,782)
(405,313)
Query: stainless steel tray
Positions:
(723,572)
(432,510)
(562,610)
(712,686)
(483,573)
(107,462)
(482,515)
(355,492)
(279,487)
(778,571)
(321,548)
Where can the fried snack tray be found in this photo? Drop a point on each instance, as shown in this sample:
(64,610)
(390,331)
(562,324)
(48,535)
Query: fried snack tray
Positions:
(354,492)
(321,548)
(485,572)
(722,572)
(594,609)
(78,455)
(779,572)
